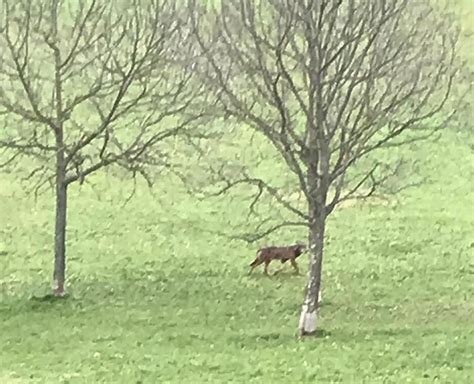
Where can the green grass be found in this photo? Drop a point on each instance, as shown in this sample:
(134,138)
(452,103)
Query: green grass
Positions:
(154,297)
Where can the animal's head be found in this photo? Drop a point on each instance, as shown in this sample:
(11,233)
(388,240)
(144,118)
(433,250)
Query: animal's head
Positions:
(299,249)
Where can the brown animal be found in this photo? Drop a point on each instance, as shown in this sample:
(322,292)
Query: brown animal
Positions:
(267,254)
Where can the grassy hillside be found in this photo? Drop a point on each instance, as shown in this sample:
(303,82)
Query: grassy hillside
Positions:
(156,297)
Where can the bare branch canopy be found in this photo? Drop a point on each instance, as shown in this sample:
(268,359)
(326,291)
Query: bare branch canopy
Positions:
(328,84)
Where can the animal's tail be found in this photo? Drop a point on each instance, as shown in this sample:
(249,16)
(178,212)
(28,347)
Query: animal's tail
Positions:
(257,259)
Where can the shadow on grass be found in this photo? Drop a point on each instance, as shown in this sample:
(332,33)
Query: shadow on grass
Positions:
(276,338)
(284,275)
(49,298)
(48,301)
(318,334)
(20,305)
(365,335)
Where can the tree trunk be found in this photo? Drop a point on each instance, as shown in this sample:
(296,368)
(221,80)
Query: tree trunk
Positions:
(59,275)
(310,309)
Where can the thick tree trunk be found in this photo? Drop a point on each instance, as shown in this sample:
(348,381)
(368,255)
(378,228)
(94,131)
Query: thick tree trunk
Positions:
(59,275)
(309,312)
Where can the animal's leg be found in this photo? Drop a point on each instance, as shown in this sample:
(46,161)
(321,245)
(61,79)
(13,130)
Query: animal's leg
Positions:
(295,266)
(277,271)
(281,269)
(255,264)
(267,263)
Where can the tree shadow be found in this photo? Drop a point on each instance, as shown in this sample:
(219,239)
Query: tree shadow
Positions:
(363,335)
(49,298)
(283,275)
(318,334)
(38,303)
(283,337)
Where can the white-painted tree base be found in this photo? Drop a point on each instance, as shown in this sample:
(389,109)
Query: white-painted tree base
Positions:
(307,321)
(58,289)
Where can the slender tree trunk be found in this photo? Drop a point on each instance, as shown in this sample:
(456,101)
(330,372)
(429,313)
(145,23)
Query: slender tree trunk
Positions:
(317,181)
(59,275)
(310,309)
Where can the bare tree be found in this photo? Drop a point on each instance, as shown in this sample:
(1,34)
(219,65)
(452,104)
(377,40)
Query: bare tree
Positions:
(329,84)
(86,85)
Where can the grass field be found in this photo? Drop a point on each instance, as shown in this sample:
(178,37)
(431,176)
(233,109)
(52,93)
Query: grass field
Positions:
(155,297)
